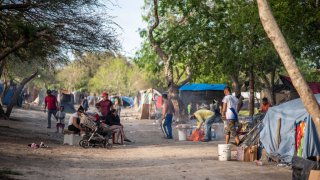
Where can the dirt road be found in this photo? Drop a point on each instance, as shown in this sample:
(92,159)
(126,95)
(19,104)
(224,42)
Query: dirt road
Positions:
(149,157)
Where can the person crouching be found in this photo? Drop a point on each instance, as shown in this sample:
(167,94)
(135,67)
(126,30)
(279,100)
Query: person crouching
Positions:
(205,117)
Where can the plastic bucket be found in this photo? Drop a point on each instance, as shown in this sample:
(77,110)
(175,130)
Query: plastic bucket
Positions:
(182,133)
(224,152)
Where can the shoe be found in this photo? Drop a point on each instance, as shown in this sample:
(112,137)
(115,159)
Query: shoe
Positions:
(48,127)
(128,140)
(205,140)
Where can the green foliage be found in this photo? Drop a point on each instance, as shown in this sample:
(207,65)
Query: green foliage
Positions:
(97,72)
(221,38)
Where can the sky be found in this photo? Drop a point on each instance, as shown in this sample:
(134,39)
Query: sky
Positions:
(127,14)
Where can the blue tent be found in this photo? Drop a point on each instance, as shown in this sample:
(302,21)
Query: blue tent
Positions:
(291,113)
(127,101)
(200,94)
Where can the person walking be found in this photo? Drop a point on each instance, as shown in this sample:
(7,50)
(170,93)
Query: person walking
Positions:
(229,114)
(167,115)
(50,103)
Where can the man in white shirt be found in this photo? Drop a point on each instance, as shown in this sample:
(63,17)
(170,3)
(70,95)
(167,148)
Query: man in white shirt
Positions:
(229,114)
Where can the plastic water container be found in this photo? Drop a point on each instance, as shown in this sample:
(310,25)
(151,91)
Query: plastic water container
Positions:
(224,152)
(182,133)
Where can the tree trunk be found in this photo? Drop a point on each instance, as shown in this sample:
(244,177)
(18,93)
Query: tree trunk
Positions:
(173,88)
(271,27)
(251,96)
(237,90)
(235,84)
(16,95)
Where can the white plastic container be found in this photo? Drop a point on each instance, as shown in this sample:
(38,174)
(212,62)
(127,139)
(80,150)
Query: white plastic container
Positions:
(182,133)
(224,152)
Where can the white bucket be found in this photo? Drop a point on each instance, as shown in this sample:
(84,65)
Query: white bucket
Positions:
(182,132)
(224,152)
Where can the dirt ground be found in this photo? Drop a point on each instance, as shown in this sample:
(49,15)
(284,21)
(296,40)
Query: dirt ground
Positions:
(148,157)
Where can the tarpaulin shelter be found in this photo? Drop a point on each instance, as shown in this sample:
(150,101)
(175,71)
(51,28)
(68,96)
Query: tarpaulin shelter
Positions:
(127,101)
(67,100)
(285,91)
(200,93)
(282,140)
(146,100)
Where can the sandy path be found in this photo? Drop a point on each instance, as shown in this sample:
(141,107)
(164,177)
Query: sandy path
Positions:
(149,157)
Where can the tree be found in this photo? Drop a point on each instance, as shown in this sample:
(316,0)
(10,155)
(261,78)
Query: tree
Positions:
(274,33)
(64,25)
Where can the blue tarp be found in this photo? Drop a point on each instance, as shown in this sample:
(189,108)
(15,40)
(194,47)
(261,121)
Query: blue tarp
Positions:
(202,87)
(127,101)
(291,112)
(7,97)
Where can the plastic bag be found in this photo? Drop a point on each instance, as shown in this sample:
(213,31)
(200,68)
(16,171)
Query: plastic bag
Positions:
(196,135)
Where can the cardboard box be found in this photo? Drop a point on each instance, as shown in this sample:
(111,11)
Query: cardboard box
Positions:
(314,175)
(247,154)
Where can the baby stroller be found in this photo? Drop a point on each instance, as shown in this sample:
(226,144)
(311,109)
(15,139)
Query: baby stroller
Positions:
(95,133)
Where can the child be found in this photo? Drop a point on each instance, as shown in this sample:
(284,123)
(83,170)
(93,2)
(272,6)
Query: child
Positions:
(60,115)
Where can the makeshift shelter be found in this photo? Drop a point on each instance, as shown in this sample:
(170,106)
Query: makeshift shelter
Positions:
(127,101)
(285,91)
(147,99)
(289,130)
(200,93)
(67,100)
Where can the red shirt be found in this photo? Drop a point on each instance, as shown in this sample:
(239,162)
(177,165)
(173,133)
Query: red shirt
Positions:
(105,106)
(51,102)
(265,107)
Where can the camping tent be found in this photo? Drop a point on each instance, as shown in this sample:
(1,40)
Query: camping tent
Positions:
(200,93)
(290,114)
(127,101)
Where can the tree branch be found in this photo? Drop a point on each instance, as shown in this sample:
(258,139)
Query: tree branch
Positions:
(156,45)
(23,6)
(22,41)
(180,75)
(188,78)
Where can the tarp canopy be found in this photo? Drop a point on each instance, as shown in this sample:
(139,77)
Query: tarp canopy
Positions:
(202,87)
(127,101)
(314,86)
(290,113)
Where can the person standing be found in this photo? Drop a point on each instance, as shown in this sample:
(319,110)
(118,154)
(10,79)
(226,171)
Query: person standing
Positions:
(85,103)
(206,117)
(50,103)
(229,114)
(167,115)
(60,115)
(265,105)
(189,108)
(105,105)
(117,105)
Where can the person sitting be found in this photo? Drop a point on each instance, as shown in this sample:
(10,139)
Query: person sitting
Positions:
(113,119)
(114,128)
(74,121)
(265,105)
